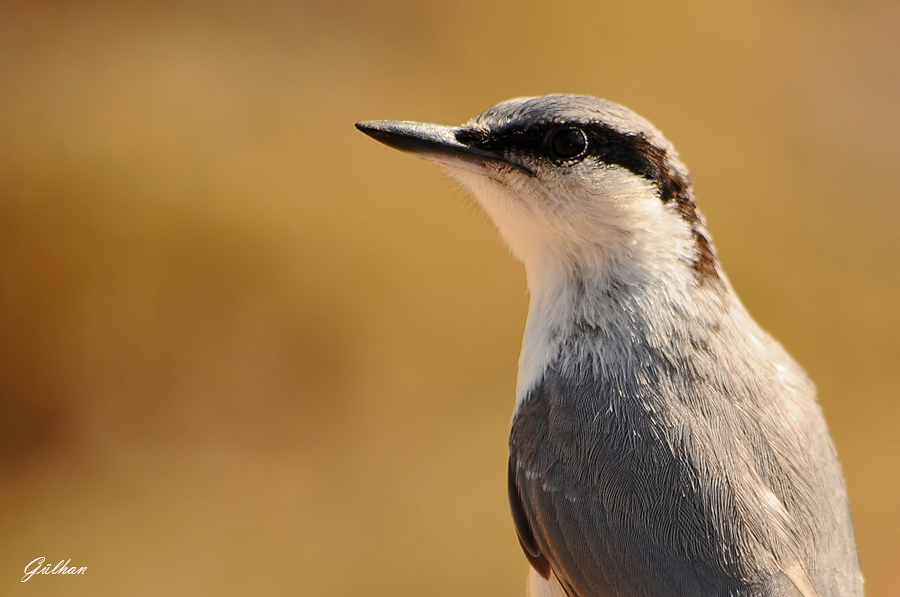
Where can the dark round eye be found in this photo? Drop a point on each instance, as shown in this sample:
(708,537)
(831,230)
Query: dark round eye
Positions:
(567,144)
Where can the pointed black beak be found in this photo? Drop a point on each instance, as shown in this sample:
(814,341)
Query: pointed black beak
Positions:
(443,144)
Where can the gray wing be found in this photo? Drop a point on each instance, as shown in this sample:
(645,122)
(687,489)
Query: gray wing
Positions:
(617,492)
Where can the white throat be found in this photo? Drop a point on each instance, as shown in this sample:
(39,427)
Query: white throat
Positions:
(619,232)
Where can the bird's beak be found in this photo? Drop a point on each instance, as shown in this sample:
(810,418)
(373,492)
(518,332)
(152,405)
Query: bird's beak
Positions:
(442,144)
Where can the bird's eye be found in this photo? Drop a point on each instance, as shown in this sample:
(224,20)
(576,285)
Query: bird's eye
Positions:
(567,144)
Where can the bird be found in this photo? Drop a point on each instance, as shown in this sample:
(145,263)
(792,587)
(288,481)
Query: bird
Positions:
(662,444)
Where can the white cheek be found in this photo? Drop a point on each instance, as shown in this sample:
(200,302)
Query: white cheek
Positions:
(569,215)
(616,207)
(657,235)
(581,219)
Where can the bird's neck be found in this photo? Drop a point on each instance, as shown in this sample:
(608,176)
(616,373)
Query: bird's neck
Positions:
(619,302)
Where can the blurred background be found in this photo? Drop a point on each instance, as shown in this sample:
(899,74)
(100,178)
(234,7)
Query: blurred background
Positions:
(246,350)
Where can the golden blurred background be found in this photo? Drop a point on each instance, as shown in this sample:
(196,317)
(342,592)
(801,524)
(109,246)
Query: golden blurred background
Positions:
(246,350)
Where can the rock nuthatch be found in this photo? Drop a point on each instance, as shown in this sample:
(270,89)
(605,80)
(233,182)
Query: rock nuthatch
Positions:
(662,443)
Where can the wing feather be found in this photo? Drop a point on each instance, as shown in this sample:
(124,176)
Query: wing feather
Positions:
(649,503)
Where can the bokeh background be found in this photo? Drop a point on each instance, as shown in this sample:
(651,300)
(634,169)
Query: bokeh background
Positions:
(246,350)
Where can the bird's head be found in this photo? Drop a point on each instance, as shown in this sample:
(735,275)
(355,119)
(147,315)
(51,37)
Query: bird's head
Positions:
(574,184)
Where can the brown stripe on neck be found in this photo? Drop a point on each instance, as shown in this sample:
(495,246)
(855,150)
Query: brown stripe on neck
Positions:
(650,161)
(675,187)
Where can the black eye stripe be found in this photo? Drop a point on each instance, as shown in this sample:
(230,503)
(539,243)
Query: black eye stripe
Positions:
(634,152)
